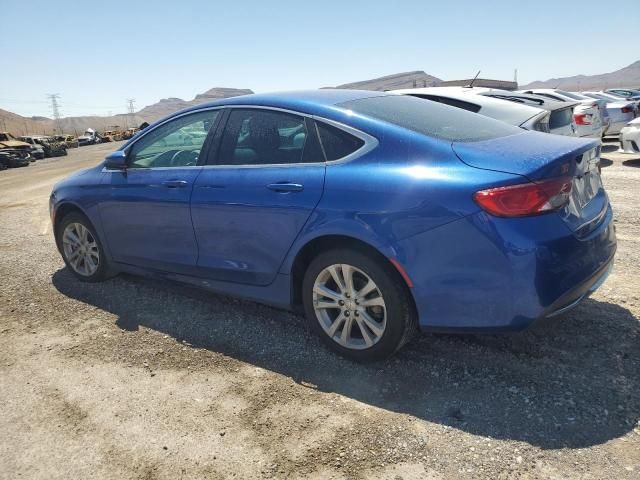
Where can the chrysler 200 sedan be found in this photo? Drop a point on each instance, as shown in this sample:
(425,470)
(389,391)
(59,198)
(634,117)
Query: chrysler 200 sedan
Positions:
(378,214)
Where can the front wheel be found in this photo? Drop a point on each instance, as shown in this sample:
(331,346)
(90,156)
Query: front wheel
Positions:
(358,304)
(81,249)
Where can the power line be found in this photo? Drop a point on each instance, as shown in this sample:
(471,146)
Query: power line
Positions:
(55,108)
(131,110)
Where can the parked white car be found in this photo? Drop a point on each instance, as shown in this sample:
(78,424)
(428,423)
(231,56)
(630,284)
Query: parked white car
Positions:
(589,115)
(620,112)
(561,120)
(630,137)
(524,116)
(613,97)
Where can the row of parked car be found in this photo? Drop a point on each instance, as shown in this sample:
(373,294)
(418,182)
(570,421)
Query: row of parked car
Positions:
(594,114)
(20,151)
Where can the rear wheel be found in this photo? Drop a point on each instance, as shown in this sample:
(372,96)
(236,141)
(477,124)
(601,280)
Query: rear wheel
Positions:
(358,305)
(81,249)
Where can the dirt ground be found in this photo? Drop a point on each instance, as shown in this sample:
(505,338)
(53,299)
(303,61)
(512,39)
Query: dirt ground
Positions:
(133,378)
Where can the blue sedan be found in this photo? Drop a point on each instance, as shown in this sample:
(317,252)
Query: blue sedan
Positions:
(377,214)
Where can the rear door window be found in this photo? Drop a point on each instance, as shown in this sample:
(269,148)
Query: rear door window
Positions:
(255,136)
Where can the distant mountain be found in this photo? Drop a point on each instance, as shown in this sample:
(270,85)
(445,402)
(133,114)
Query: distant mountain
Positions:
(19,125)
(169,105)
(417,78)
(625,77)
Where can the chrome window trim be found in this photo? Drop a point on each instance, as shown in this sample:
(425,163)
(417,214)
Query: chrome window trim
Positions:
(191,112)
(370,142)
(136,140)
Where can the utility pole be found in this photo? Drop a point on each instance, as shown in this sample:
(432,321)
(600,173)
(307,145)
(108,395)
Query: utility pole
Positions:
(132,111)
(55,109)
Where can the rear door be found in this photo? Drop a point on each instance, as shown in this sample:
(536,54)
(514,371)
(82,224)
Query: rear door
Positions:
(249,205)
(146,217)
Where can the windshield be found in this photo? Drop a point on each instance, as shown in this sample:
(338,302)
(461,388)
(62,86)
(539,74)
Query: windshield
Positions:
(431,118)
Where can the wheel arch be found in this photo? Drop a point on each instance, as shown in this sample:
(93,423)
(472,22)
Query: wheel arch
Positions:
(64,209)
(322,243)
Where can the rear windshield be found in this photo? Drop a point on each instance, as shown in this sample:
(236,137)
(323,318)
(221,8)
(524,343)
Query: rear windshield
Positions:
(560,118)
(431,118)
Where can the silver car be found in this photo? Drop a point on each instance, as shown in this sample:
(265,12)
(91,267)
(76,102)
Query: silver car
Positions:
(620,112)
(630,137)
(589,115)
(524,116)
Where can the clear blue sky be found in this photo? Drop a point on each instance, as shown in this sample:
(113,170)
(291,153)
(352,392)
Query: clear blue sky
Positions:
(96,54)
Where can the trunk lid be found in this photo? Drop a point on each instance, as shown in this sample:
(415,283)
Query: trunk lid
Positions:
(539,156)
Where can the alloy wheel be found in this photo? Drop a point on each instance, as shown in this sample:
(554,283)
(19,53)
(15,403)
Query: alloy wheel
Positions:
(80,249)
(349,306)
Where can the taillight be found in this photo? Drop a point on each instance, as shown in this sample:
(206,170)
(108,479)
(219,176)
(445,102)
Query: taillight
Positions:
(582,118)
(627,109)
(525,199)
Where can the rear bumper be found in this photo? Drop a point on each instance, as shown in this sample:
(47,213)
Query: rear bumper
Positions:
(630,139)
(574,297)
(483,273)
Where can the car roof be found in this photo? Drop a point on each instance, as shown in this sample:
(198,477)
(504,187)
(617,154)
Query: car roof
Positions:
(308,101)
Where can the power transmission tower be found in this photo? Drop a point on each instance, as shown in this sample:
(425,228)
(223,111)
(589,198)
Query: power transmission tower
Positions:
(55,109)
(132,110)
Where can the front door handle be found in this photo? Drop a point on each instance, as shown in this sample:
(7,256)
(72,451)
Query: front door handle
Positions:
(175,183)
(285,187)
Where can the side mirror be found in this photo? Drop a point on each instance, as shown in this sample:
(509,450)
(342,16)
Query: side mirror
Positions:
(116,161)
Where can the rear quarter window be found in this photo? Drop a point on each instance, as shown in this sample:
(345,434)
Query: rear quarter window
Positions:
(431,118)
(337,143)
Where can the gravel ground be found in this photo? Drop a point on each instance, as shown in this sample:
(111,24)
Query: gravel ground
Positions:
(133,378)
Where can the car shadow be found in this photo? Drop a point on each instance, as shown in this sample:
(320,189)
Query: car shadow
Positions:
(605,162)
(634,162)
(608,148)
(568,383)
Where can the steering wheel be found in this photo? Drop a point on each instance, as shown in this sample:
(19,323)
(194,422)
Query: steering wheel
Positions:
(184,158)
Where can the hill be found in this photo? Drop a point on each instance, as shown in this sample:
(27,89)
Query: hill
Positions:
(628,76)
(19,125)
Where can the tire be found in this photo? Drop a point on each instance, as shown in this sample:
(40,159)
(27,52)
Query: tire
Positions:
(394,321)
(88,273)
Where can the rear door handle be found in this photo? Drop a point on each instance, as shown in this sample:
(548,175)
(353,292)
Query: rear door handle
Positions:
(175,183)
(285,187)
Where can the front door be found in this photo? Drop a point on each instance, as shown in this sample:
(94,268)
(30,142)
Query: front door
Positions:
(249,207)
(147,219)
